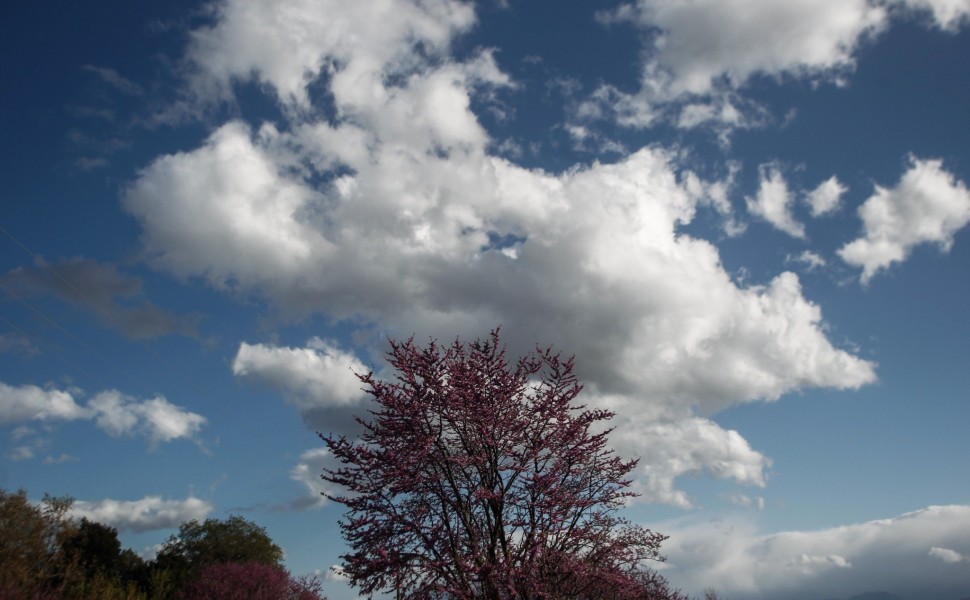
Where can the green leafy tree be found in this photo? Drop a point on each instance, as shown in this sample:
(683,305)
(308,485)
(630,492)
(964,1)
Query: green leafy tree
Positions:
(213,541)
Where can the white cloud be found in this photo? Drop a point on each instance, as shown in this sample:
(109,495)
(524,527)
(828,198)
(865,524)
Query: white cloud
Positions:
(57,460)
(685,447)
(30,403)
(901,554)
(321,374)
(704,41)
(402,243)
(701,52)
(947,555)
(307,471)
(289,43)
(927,206)
(145,514)
(114,413)
(773,202)
(826,197)
(157,419)
(320,379)
(21,453)
(400,238)
(949,15)
(810,259)
(746,501)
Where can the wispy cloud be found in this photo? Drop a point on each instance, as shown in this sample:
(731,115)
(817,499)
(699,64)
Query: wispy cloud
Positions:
(117,299)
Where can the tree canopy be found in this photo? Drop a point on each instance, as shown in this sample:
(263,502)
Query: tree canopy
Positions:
(199,544)
(45,555)
(480,478)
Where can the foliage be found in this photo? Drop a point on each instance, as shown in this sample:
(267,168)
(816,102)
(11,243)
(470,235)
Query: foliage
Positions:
(94,548)
(250,581)
(211,542)
(477,478)
(30,544)
(45,555)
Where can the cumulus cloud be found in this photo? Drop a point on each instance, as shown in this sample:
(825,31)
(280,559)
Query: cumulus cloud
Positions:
(418,229)
(707,40)
(157,419)
(319,379)
(601,271)
(289,44)
(825,198)
(683,447)
(145,514)
(116,298)
(927,206)
(31,403)
(947,555)
(701,52)
(773,202)
(319,374)
(899,553)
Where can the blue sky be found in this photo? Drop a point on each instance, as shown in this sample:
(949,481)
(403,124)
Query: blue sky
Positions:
(747,220)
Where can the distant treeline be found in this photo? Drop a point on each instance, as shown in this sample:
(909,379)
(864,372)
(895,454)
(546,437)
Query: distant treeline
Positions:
(46,555)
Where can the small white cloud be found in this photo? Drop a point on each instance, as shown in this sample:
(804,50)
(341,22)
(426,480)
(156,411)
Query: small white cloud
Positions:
(745,501)
(813,562)
(146,514)
(336,573)
(809,259)
(308,472)
(31,403)
(56,460)
(826,197)
(289,43)
(318,375)
(21,453)
(686,447)
(947,555)
(700,53)
(773,203)
(949,15)
(927,206)
(118,415)
(157,419)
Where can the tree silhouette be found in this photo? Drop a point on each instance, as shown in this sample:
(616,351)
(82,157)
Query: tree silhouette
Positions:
(477,478)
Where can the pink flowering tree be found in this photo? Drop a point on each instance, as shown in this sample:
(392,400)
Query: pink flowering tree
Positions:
(250,581)
(479,478)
